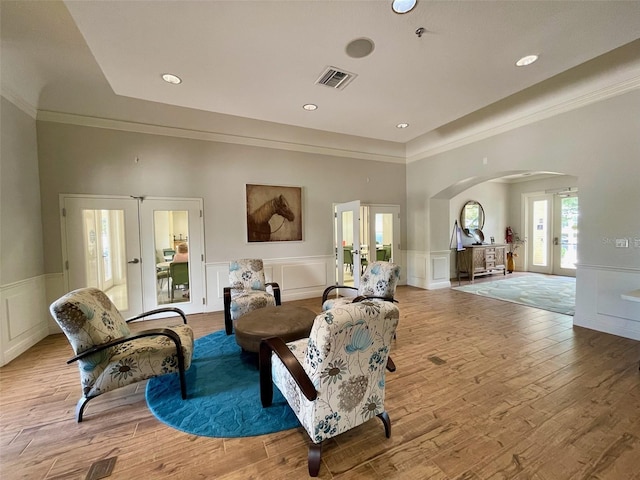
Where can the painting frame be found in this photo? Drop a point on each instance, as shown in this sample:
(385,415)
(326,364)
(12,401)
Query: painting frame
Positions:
(273,213)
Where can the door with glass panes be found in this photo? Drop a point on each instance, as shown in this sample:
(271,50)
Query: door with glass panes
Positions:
(126,246)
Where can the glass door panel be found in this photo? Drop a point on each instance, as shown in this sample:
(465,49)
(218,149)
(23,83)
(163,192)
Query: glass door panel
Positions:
(100,253)
(347,246)
(539,227)
(566,245)
(173,238)
(171,244)
(385,229)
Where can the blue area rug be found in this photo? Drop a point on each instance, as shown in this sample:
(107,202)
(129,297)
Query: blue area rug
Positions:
(223,394)
(548,292)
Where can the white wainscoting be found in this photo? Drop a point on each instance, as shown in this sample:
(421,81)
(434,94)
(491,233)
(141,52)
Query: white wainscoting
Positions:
(23,316)
(440,271)
(430,271)
(298,278)
(599,302)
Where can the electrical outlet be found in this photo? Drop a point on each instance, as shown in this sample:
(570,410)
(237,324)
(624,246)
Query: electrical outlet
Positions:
(622,243)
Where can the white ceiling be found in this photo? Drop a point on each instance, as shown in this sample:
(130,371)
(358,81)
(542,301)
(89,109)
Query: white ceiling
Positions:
(260,59)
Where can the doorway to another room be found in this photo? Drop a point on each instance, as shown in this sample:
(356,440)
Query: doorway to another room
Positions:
(364,234)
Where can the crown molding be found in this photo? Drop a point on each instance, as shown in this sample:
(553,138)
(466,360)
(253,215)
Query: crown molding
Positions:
(81,120)
(494,127)
(18,101)
(526,118)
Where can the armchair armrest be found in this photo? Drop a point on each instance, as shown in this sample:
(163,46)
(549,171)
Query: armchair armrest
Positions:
(329,289)
(291,363)
(276,291)
(159,310)
(166,332)
(360,298)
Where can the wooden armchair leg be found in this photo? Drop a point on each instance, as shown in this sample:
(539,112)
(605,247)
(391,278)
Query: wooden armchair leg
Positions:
(228,323)
(183,384)
(266,382)
(384,416)
(315,452)
(391,366)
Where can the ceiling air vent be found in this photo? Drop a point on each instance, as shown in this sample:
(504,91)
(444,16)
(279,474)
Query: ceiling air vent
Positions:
(334,78)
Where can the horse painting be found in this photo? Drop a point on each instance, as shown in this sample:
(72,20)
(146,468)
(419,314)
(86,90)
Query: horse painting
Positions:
(258,227)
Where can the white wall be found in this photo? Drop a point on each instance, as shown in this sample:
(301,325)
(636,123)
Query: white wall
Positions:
(77,159)
(23,318)
(600,145)
(90,160)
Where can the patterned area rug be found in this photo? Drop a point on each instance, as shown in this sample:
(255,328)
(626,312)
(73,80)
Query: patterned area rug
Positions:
(223,394)
(548,292)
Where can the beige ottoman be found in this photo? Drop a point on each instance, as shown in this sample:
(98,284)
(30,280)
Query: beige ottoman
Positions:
(288,322)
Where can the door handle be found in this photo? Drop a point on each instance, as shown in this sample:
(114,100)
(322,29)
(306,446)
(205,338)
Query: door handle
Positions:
(555,240)
(135,260)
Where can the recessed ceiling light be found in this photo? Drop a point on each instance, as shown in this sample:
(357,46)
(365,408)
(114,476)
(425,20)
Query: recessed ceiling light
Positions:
(528,60)
(403,6)
(170,78)
(402,125)
(310,107)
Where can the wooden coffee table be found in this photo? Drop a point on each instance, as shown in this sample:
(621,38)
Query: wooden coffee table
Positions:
(288,322)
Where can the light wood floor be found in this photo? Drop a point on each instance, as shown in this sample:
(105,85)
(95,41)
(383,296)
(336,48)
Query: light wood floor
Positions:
(484,390)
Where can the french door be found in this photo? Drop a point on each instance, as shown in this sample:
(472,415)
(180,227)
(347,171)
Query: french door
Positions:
(364,233)
(118,244)
(552,234)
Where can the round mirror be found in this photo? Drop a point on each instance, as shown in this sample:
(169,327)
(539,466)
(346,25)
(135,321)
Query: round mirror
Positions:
(471,218)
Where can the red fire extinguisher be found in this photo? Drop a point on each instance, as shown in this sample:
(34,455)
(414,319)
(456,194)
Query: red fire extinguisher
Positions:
(509,235)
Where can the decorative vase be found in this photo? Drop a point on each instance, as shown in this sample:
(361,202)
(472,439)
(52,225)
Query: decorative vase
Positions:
(510,262)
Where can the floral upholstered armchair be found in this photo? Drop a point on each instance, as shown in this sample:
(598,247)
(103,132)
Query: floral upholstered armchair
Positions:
(378,282)
(335,379)
(248,290)
(109,355)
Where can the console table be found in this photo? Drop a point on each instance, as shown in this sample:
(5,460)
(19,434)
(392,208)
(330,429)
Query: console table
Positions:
(477,260)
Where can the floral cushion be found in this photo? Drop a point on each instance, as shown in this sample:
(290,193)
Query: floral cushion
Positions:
(88,318)
(247,274)
(380,279)
(134,361)
(247,301)
(345,357)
